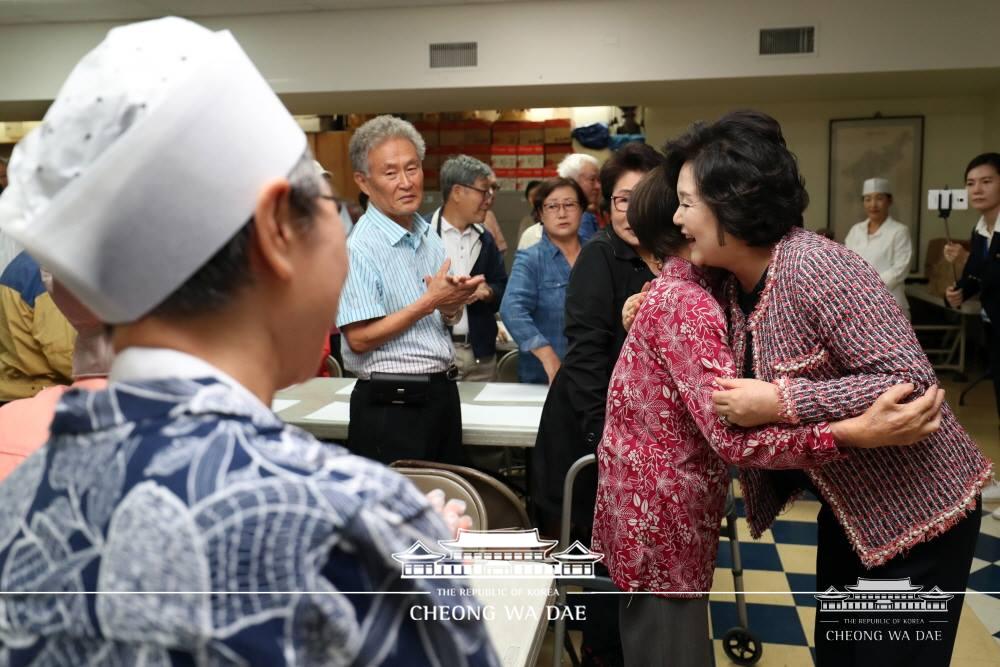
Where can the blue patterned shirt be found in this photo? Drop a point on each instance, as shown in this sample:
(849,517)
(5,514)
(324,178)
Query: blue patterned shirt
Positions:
(534,306)
(387,265)
(252,542)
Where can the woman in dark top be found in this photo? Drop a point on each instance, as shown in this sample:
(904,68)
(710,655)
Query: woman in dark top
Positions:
(611,267)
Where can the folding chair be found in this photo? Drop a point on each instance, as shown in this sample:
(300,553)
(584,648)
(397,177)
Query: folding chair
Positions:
(429,478)
(507,367)
(504,508)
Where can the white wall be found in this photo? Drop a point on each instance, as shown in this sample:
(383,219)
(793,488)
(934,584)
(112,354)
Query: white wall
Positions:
(549,43)
(955,130)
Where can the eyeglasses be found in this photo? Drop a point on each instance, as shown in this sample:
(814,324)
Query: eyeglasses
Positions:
(488,193)
(569,206)
(620,203)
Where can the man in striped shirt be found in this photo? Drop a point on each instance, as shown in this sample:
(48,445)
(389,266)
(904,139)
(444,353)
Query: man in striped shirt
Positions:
(396,305)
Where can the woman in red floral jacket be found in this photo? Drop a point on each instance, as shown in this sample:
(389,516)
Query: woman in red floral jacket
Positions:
(812,322)
(663,459)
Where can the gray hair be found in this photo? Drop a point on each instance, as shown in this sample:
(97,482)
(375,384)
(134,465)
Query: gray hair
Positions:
(378,130)
(461,170)
(573,164)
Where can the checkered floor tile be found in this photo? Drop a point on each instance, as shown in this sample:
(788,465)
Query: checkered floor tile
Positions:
(783,561)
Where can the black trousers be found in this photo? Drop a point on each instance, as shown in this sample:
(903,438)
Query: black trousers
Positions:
(387,433)
(993,344)
(866,640)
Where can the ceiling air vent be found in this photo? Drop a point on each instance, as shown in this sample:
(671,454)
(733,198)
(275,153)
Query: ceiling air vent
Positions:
(782,41)
(455,54)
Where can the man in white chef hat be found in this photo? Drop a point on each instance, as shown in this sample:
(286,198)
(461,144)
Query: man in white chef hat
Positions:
(882,241)
(172,194)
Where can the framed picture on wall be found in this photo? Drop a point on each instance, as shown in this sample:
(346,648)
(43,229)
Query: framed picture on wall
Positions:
(886,147)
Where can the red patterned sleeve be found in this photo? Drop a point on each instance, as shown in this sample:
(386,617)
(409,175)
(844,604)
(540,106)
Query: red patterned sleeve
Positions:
(869,341)
(691,339)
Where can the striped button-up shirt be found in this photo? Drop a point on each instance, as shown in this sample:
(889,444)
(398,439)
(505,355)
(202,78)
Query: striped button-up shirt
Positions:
(387,269)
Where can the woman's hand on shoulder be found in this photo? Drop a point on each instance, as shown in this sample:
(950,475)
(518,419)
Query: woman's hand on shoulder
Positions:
(631,307)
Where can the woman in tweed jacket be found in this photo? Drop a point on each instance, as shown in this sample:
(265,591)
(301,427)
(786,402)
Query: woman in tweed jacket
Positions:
(812,322)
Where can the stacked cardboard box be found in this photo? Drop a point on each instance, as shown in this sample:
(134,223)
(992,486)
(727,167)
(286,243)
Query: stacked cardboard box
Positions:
(555,153)
(503,156)
(558,131)
(518,151)
(506,133)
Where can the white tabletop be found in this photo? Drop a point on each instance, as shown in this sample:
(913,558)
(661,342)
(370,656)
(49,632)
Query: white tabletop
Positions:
(493,414)
(519,620)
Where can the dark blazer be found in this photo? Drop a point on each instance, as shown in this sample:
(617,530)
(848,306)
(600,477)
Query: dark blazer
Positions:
(981,274)
(606,273)
(482,315)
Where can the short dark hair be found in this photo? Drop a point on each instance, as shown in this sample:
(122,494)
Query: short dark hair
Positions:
(991,159)
(631,157)
(551,184)
(745,174)
(651,209)
(219,279)
(527,190)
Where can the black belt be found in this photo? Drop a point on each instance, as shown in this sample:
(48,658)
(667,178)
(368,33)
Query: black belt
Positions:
(460,338)
(450,374)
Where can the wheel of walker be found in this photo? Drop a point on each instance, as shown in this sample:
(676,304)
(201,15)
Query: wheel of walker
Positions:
(741,646)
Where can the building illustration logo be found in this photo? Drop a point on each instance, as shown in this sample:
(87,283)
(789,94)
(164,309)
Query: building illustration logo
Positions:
(497,553)
(884,595)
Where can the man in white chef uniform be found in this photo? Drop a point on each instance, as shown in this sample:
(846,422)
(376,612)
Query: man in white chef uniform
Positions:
(883,242)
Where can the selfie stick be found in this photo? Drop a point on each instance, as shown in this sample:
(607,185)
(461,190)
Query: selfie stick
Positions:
(944,210)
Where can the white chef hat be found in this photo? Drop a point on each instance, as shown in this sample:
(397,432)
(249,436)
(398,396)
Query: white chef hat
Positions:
(148,161)
(876,185)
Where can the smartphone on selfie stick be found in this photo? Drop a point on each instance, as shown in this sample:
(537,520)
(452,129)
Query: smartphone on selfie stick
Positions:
(945,201)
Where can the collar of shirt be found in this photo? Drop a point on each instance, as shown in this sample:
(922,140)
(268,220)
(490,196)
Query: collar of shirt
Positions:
(677,267)
(550,248)
(982,230)
(878,232)
(393,232)
(452,229)
(137,364)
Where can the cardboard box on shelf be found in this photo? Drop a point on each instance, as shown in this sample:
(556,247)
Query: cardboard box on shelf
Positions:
(477,132)
(481,152)
(506,178)
(430,130)
(432,159)
(506,132)
(531,157)
(503,156)
(558,131)
(555,153)
(531,133)
(451,133)
(525,176)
